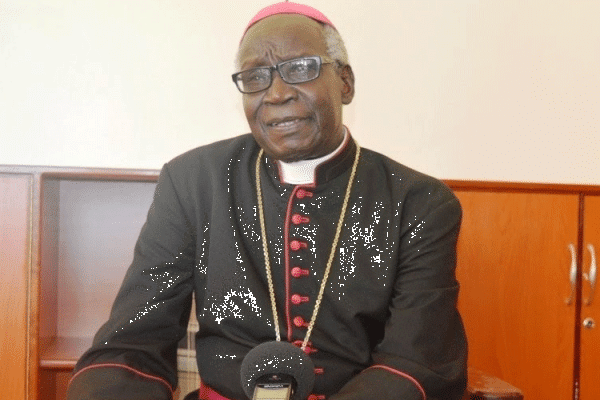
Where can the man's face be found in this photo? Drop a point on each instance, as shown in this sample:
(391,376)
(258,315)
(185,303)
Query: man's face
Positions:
(293,122)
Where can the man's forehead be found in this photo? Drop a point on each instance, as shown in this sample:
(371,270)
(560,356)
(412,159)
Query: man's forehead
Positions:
(282,36)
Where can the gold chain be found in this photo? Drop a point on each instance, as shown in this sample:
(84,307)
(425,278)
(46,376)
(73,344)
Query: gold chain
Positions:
(263,231)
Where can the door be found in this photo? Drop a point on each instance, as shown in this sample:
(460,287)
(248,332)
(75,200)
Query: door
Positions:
(590,304)
(514,260)
(14,270)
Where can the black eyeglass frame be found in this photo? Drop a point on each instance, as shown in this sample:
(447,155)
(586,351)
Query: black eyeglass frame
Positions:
(320,62)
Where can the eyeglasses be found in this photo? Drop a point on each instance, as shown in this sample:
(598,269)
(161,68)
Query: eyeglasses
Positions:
(298,70)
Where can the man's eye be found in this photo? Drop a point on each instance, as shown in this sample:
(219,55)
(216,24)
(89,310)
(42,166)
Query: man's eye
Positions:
(256,77)
(299,68)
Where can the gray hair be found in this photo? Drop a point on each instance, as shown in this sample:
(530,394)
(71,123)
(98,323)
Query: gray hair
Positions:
(336,49)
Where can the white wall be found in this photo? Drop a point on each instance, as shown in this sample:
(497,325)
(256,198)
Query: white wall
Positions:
(461,89)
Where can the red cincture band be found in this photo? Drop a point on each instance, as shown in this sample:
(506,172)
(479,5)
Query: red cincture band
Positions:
(207,393)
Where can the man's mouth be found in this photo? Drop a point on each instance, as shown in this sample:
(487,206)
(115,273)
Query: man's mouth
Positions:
(285,122)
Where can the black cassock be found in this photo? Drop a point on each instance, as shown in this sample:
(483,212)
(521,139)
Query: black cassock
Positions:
(387,328)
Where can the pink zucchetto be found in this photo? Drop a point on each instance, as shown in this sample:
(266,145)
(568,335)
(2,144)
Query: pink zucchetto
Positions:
(289,8)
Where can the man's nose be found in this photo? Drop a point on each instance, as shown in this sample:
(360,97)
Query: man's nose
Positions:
(279,91)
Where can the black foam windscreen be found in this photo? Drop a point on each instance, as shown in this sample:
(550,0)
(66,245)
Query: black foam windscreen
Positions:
(271,358)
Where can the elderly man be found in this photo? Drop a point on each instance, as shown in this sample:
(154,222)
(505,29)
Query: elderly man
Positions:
(292,233)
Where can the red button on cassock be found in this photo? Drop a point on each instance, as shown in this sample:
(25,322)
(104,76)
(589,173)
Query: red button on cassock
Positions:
(298,219)
(296,245)
(308,349)
(297,299)
(298,272)
(301,193)
(298,343)
(300,322)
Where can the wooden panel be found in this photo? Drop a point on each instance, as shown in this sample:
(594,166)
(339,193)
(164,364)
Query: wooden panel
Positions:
(15,205)
(590,337)
(514,187)
(54,384)
(513,265)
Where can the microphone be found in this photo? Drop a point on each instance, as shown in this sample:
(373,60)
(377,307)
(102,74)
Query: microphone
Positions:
(277,371)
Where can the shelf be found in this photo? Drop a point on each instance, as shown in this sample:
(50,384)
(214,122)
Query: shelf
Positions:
(89,230)
(62,352)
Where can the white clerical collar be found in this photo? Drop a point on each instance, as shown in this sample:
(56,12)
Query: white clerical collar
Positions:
(303,172)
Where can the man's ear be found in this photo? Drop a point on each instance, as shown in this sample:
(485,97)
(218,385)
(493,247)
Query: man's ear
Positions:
(348,80)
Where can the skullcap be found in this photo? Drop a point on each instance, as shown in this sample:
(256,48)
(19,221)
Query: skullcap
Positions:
(289,8)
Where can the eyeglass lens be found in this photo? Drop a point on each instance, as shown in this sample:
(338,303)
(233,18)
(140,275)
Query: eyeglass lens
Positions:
(293,71)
